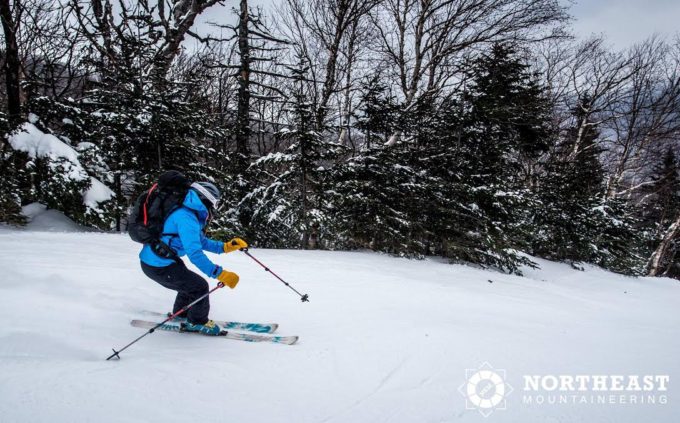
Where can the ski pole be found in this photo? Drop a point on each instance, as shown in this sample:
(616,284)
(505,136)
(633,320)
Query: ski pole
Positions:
(153,329)
(304,298)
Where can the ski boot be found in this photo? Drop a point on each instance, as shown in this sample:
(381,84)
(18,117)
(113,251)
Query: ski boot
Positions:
(209,328)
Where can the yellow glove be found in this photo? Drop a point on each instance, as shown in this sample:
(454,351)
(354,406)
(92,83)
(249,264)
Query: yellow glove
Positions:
(234,244)
(228,278)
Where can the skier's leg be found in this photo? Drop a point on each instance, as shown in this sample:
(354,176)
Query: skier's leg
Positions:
(182,300)
(189,286)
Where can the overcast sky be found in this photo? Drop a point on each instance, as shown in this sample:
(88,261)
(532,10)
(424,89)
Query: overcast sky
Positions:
(624,22)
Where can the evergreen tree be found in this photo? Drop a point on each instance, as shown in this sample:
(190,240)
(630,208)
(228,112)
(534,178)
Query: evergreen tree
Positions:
(480,144)
(567,193)
(46,169)
(660,208)
(505,114)
(381,193)
(572,220)
(70,123)
(11,176)
(378,201)
(290,204)
(127,135)
(469,210)
(450,187)
(378,112)
(661,201)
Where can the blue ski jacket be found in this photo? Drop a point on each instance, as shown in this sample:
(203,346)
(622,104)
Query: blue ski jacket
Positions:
(185,226)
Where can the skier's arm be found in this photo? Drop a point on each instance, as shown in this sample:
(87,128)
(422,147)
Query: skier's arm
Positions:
(212,245)
(189,231)
(219,247)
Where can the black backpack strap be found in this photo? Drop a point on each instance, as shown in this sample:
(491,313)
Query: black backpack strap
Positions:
(161,249)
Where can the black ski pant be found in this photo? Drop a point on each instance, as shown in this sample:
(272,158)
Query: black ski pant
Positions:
(189,287)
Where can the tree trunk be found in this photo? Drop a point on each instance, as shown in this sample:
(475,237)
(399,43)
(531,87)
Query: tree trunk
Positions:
(655,267)
(117,189)
(12,66)
(303,209)
(394,138)
(304,216)
(331,72)
(243,112)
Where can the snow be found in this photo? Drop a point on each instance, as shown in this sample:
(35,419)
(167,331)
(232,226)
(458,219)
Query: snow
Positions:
(38,144)
(43,220)
(97,193)
(273,158)
(382,338)
(83,146)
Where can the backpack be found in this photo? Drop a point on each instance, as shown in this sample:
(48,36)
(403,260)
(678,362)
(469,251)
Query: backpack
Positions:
(147,216)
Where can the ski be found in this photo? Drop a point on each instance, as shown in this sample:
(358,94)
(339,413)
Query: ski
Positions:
(226,324)
(248,337)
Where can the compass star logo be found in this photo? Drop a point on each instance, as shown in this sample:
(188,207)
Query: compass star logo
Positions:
(485,389)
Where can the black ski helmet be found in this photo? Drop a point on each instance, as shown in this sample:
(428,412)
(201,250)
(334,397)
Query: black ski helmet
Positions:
(208,193)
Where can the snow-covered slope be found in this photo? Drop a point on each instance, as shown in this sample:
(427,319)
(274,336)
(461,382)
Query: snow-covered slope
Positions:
(382,340)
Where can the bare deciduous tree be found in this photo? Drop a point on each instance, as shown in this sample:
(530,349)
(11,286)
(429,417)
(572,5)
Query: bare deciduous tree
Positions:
(10,15)
(139,31)
(425,42)
(646,120)
(319,29)
(51,50)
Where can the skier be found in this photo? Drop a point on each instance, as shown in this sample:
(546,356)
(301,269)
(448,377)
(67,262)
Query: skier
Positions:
(183,233)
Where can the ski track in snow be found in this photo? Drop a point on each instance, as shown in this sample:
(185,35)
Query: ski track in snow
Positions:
(382,339)
(360,401)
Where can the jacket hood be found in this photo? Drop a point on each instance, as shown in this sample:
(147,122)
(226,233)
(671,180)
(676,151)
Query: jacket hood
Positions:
(193,201)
